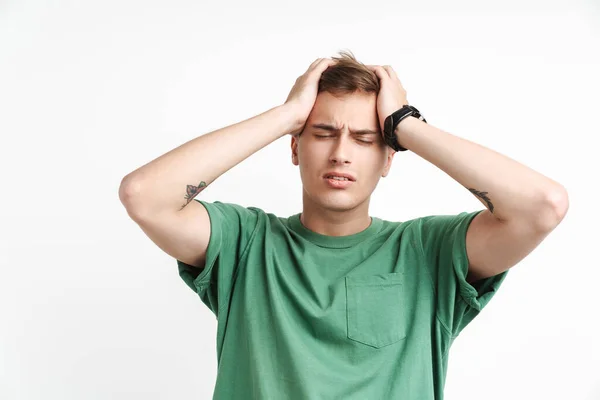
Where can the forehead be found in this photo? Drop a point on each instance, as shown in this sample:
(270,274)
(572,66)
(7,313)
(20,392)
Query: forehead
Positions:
(354,111)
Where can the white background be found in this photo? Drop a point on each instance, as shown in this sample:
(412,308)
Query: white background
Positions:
(89,91)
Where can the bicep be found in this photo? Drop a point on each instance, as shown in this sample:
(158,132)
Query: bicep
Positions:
(183,234)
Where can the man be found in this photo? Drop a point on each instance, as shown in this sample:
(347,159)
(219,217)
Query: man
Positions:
(332,303)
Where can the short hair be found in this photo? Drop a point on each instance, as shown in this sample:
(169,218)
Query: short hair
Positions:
(347,76)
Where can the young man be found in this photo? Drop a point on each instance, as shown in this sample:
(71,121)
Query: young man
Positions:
(332,303)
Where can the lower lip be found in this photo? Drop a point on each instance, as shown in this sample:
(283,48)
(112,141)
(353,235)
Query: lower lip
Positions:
(338,184)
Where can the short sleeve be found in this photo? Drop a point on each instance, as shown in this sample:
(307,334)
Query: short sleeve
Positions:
(232,227)
(443,239)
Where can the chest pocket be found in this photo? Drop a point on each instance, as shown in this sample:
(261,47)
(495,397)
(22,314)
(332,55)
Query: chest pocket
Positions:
(374,309)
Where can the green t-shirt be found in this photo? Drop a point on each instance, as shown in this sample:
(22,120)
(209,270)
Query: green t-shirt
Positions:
(369,316)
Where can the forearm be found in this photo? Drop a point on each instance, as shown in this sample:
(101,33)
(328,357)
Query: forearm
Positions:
(506,187)
(172,180)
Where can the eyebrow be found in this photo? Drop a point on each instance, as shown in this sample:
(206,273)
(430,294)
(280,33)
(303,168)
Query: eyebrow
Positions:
(332,128)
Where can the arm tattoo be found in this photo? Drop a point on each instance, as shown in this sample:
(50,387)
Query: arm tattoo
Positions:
(483,195)
(192,191)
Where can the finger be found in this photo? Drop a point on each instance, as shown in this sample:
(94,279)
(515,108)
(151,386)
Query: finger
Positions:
(376,68)
(326,62)
(390,72)
(379,71)
(322,65)
(314,63)
(321,60)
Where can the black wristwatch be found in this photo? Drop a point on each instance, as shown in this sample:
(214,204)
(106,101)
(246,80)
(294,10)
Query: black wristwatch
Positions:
(392,121)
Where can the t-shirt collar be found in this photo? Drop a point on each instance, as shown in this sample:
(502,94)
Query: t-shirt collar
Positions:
(334,241)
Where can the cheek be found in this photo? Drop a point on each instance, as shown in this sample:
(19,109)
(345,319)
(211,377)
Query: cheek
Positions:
(311,155)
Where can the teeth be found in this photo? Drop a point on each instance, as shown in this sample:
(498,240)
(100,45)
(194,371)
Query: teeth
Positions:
(338,178)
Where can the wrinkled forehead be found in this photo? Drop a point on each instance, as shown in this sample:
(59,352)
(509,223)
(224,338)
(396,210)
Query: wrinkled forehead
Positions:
(356,112)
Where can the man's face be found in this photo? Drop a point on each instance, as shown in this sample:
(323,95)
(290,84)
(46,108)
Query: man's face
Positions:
(365,156)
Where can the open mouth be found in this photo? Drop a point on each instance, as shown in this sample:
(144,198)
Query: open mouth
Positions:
(338,182)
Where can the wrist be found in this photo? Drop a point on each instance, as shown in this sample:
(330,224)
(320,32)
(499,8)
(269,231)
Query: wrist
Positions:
(404,128)
(287,119)
(292,120)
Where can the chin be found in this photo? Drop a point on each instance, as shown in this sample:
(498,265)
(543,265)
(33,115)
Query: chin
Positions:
(338,202)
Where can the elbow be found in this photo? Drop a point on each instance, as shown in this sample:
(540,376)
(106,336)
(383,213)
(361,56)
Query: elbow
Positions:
(128,190)
(557,204)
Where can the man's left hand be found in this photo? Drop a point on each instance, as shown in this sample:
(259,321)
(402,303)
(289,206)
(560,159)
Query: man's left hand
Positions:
(392,95)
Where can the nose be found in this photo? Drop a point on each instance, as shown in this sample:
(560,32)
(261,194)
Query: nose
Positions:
(340,154)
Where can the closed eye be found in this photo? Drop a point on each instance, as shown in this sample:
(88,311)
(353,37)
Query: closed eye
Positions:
(326,136)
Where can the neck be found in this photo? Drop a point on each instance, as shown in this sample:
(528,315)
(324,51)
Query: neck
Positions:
(335,221)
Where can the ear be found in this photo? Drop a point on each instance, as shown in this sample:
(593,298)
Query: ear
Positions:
(294,146)
(389,159)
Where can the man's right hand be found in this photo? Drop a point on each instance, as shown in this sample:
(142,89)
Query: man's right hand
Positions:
(303,95)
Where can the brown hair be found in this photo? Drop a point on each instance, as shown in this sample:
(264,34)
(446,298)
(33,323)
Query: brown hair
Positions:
(347,76)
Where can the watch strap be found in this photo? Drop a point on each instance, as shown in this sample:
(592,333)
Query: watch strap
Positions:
(392,121)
